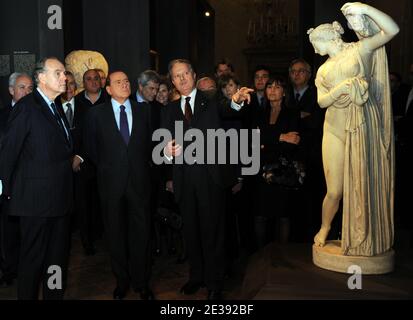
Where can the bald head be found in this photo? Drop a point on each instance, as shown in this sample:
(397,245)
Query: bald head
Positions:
(91,81)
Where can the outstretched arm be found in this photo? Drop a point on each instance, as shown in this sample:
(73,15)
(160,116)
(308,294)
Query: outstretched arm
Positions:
(388,28)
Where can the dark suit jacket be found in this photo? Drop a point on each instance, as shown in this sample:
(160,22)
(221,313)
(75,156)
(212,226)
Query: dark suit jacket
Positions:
(207,115)
(77,129)
(119,166)
(155,111)
(308,103)
(35,161)
(4,115)
(288,121)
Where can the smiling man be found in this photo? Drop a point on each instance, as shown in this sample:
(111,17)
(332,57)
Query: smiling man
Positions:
(36,171)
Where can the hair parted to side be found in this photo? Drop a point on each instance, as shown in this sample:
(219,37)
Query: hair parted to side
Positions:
(148,75)
(175,61)
(40,67)
(326,32)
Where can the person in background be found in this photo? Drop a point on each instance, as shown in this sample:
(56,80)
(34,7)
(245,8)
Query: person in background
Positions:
(223,67)
(20,85)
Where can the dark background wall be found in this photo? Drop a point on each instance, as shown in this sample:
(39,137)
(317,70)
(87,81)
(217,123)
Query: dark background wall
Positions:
(25,37)
(181,30)
(136,35)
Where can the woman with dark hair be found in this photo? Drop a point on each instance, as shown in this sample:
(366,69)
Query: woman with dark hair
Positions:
(278,126)
(163,93)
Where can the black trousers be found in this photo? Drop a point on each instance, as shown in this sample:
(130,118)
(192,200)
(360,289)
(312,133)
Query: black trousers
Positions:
(9,242)
(44,243)
(127,230)
(88,216)
(202,207)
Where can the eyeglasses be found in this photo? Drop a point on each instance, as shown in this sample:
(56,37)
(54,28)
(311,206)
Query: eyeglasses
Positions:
(299,71)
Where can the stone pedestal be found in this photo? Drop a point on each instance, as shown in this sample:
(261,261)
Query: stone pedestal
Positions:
(330,257)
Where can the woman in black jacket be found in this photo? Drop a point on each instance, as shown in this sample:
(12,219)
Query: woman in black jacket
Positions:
(278,126)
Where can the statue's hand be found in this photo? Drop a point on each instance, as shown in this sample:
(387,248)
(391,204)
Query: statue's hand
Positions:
(343,88)
(354,8)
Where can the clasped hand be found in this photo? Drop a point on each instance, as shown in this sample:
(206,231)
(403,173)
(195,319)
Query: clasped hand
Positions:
(172,149)
(290,137)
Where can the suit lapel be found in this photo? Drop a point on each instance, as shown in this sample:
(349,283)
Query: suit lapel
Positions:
(134,107)
(110,120)
(199,107)
(179,114)
(44,108)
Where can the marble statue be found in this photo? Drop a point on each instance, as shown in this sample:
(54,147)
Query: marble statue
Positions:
(358,142)
(79,61)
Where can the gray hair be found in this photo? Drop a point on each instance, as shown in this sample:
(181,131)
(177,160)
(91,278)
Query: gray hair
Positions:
(40,67)
(14,76)
(206,79)
(148,75)
(300,60)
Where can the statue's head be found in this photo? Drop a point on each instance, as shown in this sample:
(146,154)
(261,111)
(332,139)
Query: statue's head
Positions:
(325,35)
(362,25)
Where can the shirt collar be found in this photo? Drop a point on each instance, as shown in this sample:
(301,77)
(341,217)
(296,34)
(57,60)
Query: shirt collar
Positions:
(116,105)
(302,91)
(13,103)
(71,101)
(87,97)
(139,98)
(46,99)
(192,95)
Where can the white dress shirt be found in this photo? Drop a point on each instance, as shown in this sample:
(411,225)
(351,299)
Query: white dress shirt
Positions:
(409,100)
(128,109)
(72,105)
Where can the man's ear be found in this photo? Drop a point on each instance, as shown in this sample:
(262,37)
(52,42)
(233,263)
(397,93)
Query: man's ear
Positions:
(11,91)
(108,90)
(41,77)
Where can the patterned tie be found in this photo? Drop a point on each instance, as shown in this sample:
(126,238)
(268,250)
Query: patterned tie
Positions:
(59,120)
(188,110)
(124,126)
(69,114)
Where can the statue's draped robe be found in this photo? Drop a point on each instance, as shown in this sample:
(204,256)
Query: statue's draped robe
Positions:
(368,227)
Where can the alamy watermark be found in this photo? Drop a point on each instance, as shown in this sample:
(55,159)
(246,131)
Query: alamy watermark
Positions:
(55,20)
(354,281)
(217,146)
(54,282)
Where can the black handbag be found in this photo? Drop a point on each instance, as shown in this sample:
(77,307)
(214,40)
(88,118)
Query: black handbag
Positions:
(285,172)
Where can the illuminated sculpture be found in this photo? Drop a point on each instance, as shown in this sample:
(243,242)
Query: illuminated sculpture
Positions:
(358,143)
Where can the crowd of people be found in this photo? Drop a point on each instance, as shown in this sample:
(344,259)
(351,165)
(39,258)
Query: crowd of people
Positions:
(83,161)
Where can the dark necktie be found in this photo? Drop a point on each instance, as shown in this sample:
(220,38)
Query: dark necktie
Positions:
(188,110)
(297,98)
(69,114)
(59,119)
(123,125)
